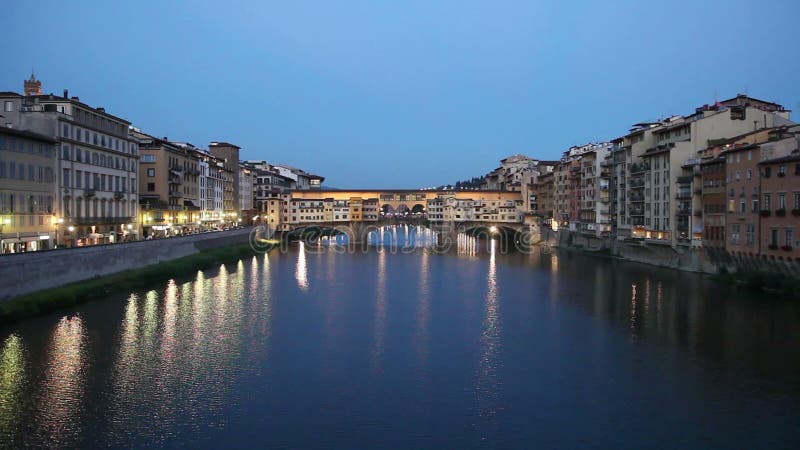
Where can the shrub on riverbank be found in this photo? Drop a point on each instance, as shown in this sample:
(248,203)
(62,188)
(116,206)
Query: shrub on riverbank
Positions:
(49,300)
(773,282)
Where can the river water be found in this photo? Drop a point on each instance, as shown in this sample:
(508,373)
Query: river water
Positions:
(316,347)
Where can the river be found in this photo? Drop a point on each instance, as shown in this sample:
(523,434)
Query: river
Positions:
(316,347)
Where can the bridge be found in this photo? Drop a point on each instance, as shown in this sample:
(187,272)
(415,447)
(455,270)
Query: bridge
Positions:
(357,212)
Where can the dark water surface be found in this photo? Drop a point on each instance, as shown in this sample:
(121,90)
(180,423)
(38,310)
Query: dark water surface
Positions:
(423,350)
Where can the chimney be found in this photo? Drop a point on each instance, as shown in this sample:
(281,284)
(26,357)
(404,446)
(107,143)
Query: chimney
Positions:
(66,93)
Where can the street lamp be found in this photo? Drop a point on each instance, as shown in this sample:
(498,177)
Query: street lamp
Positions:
(56,222)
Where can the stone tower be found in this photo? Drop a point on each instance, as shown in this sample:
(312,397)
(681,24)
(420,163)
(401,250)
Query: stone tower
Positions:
(33,86)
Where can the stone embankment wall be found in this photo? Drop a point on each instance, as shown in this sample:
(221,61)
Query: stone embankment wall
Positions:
(24,273)
(692,259)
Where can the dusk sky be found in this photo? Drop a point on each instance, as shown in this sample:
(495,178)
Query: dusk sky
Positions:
(401,94)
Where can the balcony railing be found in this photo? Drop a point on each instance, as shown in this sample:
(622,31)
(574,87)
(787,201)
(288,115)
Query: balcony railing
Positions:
(683,195)
(89,192)
(101,220)
(638,168)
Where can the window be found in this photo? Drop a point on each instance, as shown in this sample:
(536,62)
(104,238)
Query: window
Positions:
(151,172)
(774,236)
(789,238)
(767,201)
(151,187)
(767,172)
(797,200)
(735,233)
(9,106)
(781,201)
(782,170)
(750,234)
(755,205)
(749,174)
(742,207)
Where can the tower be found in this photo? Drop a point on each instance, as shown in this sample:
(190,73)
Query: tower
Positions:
(33,86)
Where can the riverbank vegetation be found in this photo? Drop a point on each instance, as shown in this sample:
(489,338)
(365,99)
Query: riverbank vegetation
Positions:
(50,300)
(771,282)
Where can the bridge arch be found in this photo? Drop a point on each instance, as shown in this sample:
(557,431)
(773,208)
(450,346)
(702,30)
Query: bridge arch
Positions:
(418,209)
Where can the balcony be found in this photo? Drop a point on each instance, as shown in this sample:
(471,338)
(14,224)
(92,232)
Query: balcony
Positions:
(639,168)
(119,195)
(638,183)
(684,195)
(684,180)
(89,192)
(175,194)
(101,220)
(637,212)
(683,211)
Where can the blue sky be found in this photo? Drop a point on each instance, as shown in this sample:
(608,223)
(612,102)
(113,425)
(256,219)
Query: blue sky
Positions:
(402,94)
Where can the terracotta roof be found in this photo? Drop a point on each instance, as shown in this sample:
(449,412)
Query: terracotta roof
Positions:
(795,156)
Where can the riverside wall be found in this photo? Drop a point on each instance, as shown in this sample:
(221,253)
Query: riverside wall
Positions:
(25,273)
(686,258)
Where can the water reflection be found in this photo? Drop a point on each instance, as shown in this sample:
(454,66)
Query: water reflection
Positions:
(60,405)
(12,381)
(422,336)
(405,235)
(468,245)
(484,344)
(379,323)
(488,379)
(301,272)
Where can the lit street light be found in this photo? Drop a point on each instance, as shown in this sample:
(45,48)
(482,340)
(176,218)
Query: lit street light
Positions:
(56,222)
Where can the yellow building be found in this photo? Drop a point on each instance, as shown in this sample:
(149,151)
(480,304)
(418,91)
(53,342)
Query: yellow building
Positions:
(27,192)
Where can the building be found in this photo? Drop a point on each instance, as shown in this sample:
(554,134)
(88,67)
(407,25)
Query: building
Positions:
(169,186)
(229,154)
(97,164)
(212,214)
(668,148)
(27,191)
(246,202)
(779,171)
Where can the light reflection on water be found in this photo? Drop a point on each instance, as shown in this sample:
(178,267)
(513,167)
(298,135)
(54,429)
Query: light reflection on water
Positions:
(489,380)
(61,398)
(379,321)
(12,380)
(418,350)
